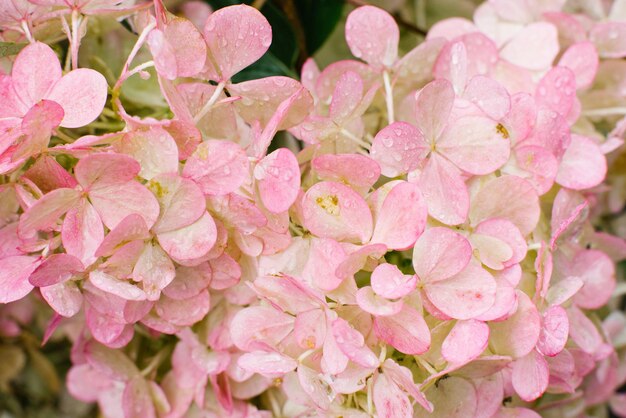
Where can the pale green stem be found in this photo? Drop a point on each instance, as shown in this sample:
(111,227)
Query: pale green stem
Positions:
(208,105)
(388,97)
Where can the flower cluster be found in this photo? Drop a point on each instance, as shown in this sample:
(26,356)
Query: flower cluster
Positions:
(429,249)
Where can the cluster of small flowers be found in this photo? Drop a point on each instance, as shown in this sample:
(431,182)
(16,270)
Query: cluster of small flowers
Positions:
(429,252)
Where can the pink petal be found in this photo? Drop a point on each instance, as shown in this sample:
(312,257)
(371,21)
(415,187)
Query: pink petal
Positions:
(359,171)
(261,99)
(267,363)
(598,274)
(55,269)
(582,59)
(583,165)
(278,180)
(534,47)
(82,232)
(507,232)
(218,167)
(347,96)
(314,385)
(402,217)
(453,397)
(352,344)
(189,281)
(116,202)
(325,257)
(398,148)
(434,104)
(452,65)
(257,327)
(122,288)
(310,329)
(557,90)
(65,298)
(226,272)
(155,269)
(35,71)
(490,250)
(184,312)
(517,335)
(554,331)
(154,149)
(609,38)
(181,202)
(190,242)
(406,331)
(465,295)
(286,293)
(390,401)
(474,144)
(137,400)
(358,259)
(440,253)
(489,392)
(491,97)
(569,211)
(37,127)
(530,376)
(467,340)
(100,170)
(82,93)
(131,228)
(234,47)
(373,35)
(332,210)
(444,190)
(376,305)
(507,197)
(14,273)
(416,66)
(389,282)
(47,210)
(539,163)
(403,377)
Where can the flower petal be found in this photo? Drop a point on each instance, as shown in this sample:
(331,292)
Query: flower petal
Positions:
(373,35)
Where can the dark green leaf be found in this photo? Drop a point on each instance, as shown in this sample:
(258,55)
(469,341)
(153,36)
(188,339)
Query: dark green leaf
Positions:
(319,18)
(284,45)
(267,66)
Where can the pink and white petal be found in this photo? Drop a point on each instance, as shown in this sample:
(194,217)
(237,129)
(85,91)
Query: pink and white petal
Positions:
(352,343)
(506,231)
(57,268)
(554,331)
(583,165)
(286,293)
(416,66)
(390,401)
(453,397)
(444,190)
(259,327)
(516,413)
(489,392)
(347,96)
(491,97)
(37,127)
(190,242)
(47,210)
(451,65)
(184,312)
(359,171)
(180,50)
(333,210)
(451,28)
(474,144)
(115,202)
(35,70)
(389,282)
(65,298)
(131,228)
(271,364)
(406,331)
(402,217)
(504,305)
(557,90)
(359,259)
(534,47)
(373,36)
(189,281)
(154,269)
(403,377)
(314,385)
(101,170)
(434,104)
(439,254)
(539,164)
(491,251)
(563,290)
(333,360)
(310,329)
(122,288)
(465,295)
(465,342)
(181,202)
(609,38)
(398,148)
(14,273)
(598,274)
(154,149)
(569,211)
(218,167)
(508,197)
(82,232)
(530,376)
(137,400)
(517,335)
(582,59)
(82,94)
(234,47)
(325,256)
(226,272)
(376,305)
(278,180)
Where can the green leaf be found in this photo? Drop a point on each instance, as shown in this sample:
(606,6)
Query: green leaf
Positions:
(267,66)
(284,45)
(10,48)
(319,18)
